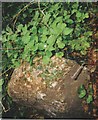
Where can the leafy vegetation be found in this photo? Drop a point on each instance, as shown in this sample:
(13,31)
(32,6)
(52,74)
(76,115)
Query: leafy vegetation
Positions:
(50,31)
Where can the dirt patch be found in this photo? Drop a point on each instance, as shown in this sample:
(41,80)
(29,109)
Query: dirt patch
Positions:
(49,87)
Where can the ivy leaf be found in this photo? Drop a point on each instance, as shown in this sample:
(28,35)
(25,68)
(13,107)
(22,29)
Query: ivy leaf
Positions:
(81,91)
(46,59)
(67,31)
(89,99)
(59,54)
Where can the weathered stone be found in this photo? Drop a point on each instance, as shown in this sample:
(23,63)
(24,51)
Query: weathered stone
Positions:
(31,86)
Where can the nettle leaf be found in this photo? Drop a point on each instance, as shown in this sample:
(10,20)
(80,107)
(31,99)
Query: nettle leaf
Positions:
(24,30)
(59,39)
(67,31)
(50,48)
(51,40)
(89,99)
(34,30)
(43,38)
(81,91)
(61,26)
(70,21)
(19,28)
(26,38)
(46,18)
(78,14)
(59,54)
(48,53)
(46,59)
(41,46)
(30,45)
(16,63)
(34,48)
(61,45)
(34,38)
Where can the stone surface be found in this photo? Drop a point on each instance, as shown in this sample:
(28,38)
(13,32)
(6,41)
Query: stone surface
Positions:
(49,88)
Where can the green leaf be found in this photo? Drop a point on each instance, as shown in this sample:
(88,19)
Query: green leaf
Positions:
(78,14)
(26,38)
(59,54)
(86,15)
(83,52)
(48,53)
(36,16)
(89,99)
(90,88)
(16,64)
(61,45)
(35,47)
(34,38)
(46,18)
(51,40)
(43,38)
(19,27)
(81,91)
(34,30)
(50,48)
(67,31)
(46,59)
(24,30)
(70,21)
(41,46)
(30,45)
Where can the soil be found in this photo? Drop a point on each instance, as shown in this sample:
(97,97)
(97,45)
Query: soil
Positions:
(49,88)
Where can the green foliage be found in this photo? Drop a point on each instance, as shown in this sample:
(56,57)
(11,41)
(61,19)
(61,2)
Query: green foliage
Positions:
(47,33)
(81,91)
(86,93)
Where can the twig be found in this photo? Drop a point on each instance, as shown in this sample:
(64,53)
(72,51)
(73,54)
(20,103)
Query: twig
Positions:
(4,107)
(76,74)
(16,16)
(5,71)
